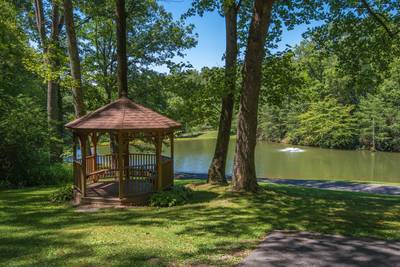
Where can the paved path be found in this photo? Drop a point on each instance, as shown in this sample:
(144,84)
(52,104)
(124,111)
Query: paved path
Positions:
(321,184)
(340,185)
(307,249)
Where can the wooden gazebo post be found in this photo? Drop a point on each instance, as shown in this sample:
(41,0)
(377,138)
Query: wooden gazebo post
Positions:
(94,142)
(158,161)
(171,140)
(82,138)
(75,173)
(120,165)
(126,155)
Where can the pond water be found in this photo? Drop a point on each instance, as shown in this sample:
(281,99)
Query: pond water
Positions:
(296,162)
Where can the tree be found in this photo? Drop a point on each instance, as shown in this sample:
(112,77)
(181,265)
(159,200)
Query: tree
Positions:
(326,124)
(378,115)
(216,171)
(122,71)
(15,78)
(154,38)
(75,64)
(244,175)
(50,46)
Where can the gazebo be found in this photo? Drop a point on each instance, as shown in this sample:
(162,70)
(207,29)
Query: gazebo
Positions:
(121,176)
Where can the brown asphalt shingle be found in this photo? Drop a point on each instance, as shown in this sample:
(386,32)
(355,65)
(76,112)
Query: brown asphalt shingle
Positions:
(123,114)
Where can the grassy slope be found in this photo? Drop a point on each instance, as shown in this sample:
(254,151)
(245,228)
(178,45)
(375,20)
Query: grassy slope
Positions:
(203,136)
(217,228)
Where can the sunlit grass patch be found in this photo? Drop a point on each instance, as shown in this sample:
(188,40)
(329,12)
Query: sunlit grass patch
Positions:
(217,226)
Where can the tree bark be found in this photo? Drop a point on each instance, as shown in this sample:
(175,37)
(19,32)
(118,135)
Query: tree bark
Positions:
(74,60)
(216,171)
(122,70)
(244,175)
(49,48)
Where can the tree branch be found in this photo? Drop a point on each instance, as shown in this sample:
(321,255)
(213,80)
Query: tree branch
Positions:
(238,4)
(378,18)
(40,24)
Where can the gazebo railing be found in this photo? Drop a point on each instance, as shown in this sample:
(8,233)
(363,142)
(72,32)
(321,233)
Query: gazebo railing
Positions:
(139,177)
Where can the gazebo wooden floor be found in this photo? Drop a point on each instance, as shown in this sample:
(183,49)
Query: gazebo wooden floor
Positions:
(103,189)
(107,193)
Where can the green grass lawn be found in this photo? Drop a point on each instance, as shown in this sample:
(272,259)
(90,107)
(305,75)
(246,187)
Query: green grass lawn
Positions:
(218,227)
(203,135)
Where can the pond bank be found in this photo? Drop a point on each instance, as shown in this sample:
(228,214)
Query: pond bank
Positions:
(319,184)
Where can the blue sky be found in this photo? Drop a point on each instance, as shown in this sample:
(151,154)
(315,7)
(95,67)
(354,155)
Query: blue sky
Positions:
(211,35)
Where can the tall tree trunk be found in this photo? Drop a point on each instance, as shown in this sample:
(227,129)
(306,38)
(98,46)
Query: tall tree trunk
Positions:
(74,60)
(244,175)
(49,48)
(216,171)
(122,71)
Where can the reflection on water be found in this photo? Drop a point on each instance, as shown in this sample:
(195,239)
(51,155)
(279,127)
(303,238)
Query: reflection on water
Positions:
(282,161)
(292,149)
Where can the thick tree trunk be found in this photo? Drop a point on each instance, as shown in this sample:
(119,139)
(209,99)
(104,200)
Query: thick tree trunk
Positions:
(122,71)
(53,93)
(53,118)
(244,175)
(216,171)
(49,47)
(74,60)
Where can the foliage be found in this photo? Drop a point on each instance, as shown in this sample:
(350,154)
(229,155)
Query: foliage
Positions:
(62,194)
(326,124)
(282,79)
(177,195)
(23,132)
(379,114)
(273,123)
(347,60)
(14,77)
(194,97)
(217,227)
(154,40)
(24,158)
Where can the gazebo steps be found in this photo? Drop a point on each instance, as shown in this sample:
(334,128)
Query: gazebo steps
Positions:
(100,200)
(138,200)
(132,200)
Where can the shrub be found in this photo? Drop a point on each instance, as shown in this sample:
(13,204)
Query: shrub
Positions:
(56,173)
(23,135)
(63,194)
(177,195)
(24,156)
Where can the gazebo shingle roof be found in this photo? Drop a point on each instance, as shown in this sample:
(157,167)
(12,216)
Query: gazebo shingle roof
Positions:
(123,114)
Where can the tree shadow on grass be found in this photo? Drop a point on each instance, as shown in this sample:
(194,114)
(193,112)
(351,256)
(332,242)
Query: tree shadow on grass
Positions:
(217,224)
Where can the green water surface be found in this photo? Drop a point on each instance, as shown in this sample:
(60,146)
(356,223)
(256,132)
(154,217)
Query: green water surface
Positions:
(273,161)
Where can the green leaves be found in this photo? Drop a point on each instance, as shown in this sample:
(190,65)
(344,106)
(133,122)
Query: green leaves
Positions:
(63,194)
(326,124)
(177,195)
(379,114)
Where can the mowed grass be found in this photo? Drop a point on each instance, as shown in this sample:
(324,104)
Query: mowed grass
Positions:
(203,136)
(218,227)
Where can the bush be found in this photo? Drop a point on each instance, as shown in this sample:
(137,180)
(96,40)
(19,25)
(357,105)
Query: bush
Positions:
(177,195)
(63,194)
(57,173)
(24,156)
(23,135)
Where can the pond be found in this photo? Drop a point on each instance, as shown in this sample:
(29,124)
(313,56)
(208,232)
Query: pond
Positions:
(296,162)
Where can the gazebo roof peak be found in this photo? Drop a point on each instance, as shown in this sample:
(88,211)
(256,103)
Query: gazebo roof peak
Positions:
(123,114)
